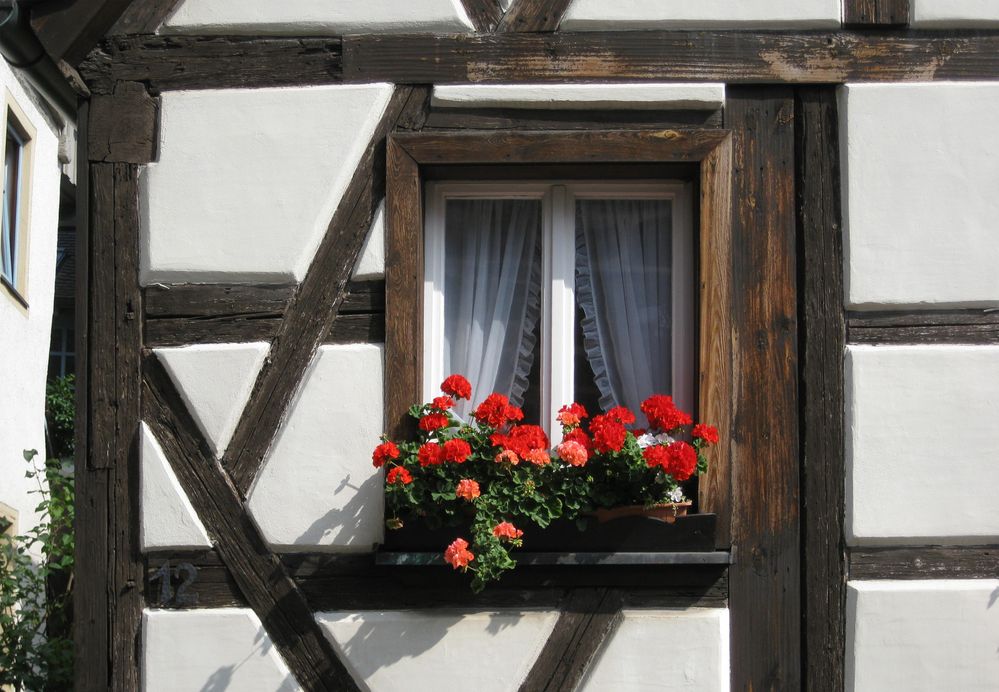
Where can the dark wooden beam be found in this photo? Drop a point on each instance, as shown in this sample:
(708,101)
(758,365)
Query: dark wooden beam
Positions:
(822,332)
(314,307)
(123,125)
(765,579)
(589,617)
(143,17)
(863,13)
(925,562)
(69,29)
(262,579)
(534,15)
(522,119)
(485,14)
(723,56)
(924,327)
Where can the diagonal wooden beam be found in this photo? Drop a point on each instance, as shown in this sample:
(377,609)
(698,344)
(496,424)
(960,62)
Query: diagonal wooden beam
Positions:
(69,29)
(589,617)
(314,307)
(534,15)
(485,14)
(143,17)
(262,579)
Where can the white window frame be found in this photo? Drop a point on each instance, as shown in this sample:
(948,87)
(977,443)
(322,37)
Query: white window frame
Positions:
(558,200)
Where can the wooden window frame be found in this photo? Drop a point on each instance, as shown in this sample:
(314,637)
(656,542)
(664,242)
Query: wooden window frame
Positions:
(410,154)
(15,119)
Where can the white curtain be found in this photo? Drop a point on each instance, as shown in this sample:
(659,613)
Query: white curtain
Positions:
(8,240)
(492,294)
(624,259)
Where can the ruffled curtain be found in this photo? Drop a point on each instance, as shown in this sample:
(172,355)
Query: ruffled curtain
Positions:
(8,240)
(492,294)
(624,259)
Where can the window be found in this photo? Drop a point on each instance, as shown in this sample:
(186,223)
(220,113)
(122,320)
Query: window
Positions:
(558,292)
(13,217)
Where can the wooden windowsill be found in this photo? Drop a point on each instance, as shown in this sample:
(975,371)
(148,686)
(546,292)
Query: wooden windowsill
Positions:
(716,557)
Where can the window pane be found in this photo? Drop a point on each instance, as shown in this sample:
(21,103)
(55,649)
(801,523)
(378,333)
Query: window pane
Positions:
(492,297)
(8,244)
(624,298)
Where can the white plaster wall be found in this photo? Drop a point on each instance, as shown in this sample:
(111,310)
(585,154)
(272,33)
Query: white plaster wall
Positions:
(658,650)
(922,443)
(929,14)
(215,381)
(647,96)
(166,517)
(317,17)
(248,179)
(595,15)
(207,650)
(923,635)
(406,651)
(317,489)
(24,333)
(921,212)
(371,263)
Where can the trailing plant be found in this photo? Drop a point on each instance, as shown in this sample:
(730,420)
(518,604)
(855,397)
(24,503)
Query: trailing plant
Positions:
(495,475)
(36,644)
(60,409)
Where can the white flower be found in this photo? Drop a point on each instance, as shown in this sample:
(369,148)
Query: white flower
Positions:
(676,495)
(646,440)
(664,439)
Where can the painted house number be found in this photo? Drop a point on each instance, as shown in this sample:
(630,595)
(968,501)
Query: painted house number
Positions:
(185,573)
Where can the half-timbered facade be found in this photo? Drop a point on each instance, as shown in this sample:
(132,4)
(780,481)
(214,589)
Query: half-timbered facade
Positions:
(261,180)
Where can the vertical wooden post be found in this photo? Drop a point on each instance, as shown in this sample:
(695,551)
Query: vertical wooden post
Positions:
(765,579)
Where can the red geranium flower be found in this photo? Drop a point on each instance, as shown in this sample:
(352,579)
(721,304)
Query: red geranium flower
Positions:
(577,435)
(457,554)
(656,455)
(521,439)
(508,455)
(507,530)
(494,411)
(608,433)
(663,413)
(622,415)
(682,461)
(442,403)
(538,457)
(708,433)
(456,450)
(572,415)
(383,453)
(430,454)
(514,414)
(572,453)
(433,421)
(467,489)
(399,475)
(457,386)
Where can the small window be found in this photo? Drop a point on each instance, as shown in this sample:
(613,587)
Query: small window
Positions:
(551,293)
(13,218)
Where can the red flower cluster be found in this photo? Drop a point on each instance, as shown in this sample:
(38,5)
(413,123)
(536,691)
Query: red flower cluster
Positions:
(467,489)
(622,415)
(538,457)
(457,554)
(442,403)
(496,411)
(398,475)
(577,435)
(679,459)
(456,450)
(430,454)
(572,453)
(521,439)
(507,530)
(608,433)
(385,452)
(572,415)
(708,433)
(457,386)
(433,421)
(663,413)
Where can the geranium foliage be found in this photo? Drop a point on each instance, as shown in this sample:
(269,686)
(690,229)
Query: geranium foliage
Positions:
(495,475)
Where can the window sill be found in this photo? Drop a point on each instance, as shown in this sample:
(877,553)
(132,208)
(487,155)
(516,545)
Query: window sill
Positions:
(716,557)
(14,293)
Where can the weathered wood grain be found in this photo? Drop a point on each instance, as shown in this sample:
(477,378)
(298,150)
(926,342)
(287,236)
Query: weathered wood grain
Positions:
(485,14)
(765,579)
(822,332)
(876,12)
(534,15)
(724,56)
(216,300)
(587,619)
(211,585)
(212,62)
(924,327)
(262,579)
(143,17)
(311,313)
(925,562)
(69,30)
(523,119)
(123,125)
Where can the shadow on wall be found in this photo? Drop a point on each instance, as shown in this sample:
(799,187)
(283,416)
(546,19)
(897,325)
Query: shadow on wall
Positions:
(349,518)
(221,679)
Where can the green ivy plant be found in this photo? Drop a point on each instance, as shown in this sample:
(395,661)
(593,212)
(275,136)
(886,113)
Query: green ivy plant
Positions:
(36,596)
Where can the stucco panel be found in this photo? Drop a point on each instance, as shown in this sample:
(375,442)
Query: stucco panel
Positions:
(595,15)
(954,13)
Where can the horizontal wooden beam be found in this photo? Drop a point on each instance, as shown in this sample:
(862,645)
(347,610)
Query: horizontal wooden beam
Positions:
(925,562)
(200,62)
(924,327)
